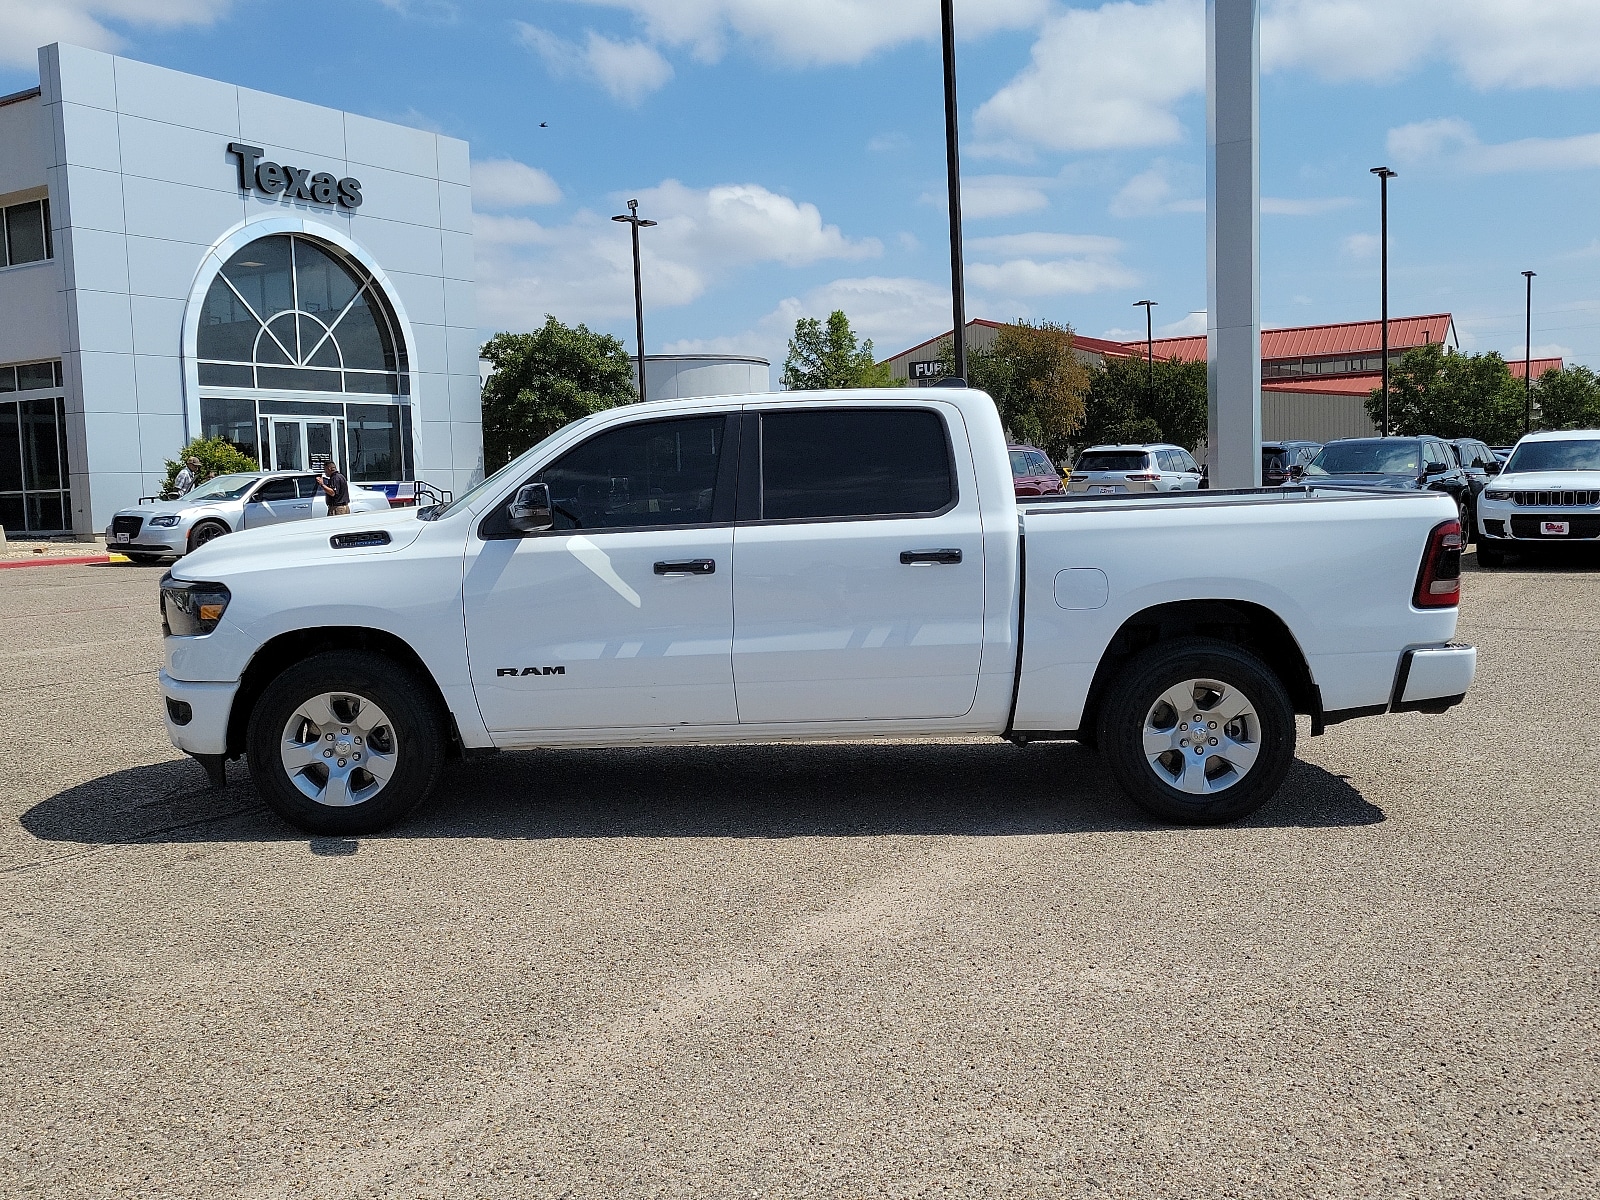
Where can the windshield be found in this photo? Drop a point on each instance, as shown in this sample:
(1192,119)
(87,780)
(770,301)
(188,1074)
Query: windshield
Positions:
(223,487)
(1556,456)
(1386,456)
(498,479)
(1113,460)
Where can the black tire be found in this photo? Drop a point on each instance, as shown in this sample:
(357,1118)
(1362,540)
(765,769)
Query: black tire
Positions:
(1490,556)
(1134,696)
(204,532)
(415,733)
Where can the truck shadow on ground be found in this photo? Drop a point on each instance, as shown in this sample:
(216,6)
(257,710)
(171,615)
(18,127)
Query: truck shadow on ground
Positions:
(1540,560)
(766,791)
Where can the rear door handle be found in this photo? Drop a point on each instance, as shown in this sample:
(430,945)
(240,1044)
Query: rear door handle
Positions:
(914,558)
(692,566)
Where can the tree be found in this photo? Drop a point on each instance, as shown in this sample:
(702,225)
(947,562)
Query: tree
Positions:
(1567,399)
(1037,382)
(1132,401)
(217,456)
(546,379)
(829,357)
(1451,396)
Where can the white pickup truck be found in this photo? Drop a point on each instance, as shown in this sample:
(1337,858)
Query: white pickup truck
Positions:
(815,565)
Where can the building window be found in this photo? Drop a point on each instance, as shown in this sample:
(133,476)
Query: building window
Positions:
(27,233)
(232,420)
(34,480)
(286,313)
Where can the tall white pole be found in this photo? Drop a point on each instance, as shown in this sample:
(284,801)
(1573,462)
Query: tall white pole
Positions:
(1233,241)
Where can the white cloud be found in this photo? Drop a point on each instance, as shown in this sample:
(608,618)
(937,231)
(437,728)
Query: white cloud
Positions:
(1283,207)
(994,196)
(885,143)
(501,183)
(1113,76)
(583,270)
(630,71)
(816,32)
(1046,264)
(1452,143)
(1104,77)
(1361,245)
(1191,325)
(1151,192)
(26,25)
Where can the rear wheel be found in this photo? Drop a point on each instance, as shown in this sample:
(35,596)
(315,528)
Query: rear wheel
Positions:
(1198,731)
(344,743)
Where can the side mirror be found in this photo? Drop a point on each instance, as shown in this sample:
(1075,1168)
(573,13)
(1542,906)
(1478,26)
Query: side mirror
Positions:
(1491,468)
(531,512)
(1435,468)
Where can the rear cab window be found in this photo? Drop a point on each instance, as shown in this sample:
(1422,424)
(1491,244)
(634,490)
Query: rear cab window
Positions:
(821,464)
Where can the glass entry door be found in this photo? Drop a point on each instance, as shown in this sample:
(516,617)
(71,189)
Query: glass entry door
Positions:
(301,445)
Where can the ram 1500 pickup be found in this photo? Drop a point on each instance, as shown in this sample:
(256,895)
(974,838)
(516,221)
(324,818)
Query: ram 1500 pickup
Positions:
(813,565)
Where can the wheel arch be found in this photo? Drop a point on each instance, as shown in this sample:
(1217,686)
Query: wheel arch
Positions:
(280,653)
(1250,626)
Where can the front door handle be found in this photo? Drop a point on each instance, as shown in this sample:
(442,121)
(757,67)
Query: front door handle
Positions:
(692,566)
(918,558)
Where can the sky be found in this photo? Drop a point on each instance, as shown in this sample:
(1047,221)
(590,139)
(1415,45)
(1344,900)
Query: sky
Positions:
(792,152)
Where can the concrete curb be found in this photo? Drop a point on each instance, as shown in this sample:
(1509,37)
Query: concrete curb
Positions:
(59,560)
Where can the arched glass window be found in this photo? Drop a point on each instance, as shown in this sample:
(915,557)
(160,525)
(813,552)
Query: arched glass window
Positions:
(289,313)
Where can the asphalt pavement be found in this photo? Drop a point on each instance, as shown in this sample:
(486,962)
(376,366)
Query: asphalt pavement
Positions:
(952,968)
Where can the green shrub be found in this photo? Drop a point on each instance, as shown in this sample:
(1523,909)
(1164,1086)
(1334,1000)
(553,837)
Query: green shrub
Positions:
(217,457)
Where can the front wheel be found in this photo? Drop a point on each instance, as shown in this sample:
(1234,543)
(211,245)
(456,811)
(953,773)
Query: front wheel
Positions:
(344,743)
(1198,731)
(206,531)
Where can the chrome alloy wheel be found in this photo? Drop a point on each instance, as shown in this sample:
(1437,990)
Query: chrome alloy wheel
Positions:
(1201,736)
(339,749)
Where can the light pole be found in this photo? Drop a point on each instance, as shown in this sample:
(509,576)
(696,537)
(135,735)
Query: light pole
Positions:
(952,156)
(1527,362)
(1149,346)
(1384,174)
(632,218)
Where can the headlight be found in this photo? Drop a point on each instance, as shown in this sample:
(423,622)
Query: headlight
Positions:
(166,521)
(1497,494)
(191,609)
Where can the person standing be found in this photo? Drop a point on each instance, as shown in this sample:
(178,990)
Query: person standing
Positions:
(336,488)
(187,477)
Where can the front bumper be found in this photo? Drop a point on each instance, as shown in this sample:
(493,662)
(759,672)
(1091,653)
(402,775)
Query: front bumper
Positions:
(1501,521)
(1434,678)
(173,539)
(207,706)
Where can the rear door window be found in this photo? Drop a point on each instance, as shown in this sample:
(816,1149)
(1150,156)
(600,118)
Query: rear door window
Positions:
(854,463)
(308,487)
(1041,464)
(1020,464)
(1188,462)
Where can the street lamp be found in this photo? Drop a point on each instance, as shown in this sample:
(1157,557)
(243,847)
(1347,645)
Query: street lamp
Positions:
(1149,346)
(1384,174)
(1527,362)
(952,156)
(631,217)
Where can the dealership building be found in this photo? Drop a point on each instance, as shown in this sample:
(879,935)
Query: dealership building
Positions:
(185,258)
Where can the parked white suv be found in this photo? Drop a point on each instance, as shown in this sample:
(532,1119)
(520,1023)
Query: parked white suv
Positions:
(1548,493)
(1156,467)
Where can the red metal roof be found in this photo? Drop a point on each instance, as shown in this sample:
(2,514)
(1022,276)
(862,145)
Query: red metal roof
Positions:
(1089,344)
(1540,366)
(1310,341)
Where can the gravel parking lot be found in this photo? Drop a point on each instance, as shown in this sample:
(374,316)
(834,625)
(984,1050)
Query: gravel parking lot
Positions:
(955,968)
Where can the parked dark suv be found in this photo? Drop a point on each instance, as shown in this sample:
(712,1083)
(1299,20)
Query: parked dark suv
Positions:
(1481,464)
(1395,463)
(1282,462)
(1032,472)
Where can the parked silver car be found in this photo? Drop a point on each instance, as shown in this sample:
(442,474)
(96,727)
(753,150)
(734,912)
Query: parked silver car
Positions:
(172,528)
(1158,467)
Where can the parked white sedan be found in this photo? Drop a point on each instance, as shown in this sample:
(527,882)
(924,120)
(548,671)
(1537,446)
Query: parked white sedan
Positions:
(226,504)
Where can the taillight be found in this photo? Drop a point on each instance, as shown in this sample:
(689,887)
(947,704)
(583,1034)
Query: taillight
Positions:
(1077,478)
(1143,478)
(1439,581)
